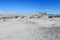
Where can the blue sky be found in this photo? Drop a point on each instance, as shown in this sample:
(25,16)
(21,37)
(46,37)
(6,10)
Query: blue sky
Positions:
(49,6)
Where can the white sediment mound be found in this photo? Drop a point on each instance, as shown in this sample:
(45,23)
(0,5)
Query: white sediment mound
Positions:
(29,29)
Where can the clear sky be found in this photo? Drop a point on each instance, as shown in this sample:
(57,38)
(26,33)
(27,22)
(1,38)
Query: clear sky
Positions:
(49,6)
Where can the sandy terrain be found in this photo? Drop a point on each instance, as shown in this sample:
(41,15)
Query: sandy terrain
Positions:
(30,29)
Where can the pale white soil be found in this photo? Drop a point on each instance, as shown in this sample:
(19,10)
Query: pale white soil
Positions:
(30,29)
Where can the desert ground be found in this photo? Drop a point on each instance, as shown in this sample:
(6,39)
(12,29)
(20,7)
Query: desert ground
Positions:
(30,29)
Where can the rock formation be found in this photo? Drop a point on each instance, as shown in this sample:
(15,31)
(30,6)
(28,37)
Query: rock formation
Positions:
(35,16)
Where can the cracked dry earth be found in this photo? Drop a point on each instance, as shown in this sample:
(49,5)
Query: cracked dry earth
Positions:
(27,31)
